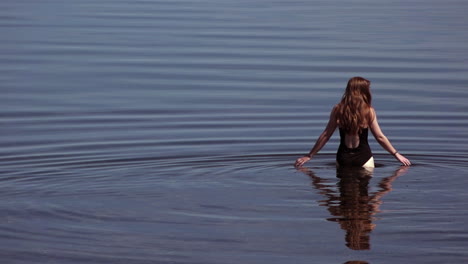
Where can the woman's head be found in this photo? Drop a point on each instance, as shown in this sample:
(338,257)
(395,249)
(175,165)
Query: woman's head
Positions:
(353,112)
(358,88)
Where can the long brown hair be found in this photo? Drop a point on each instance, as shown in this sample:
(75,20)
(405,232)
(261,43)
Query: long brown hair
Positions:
(354,111)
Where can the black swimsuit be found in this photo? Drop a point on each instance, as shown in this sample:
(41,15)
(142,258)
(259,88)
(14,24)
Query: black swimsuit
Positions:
(354,157)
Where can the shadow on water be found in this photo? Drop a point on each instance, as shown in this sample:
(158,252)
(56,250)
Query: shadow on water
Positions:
(352,206)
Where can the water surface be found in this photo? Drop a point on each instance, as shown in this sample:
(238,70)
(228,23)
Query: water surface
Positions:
(165,131)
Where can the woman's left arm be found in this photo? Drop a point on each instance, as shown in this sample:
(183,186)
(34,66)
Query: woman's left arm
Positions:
(384,142)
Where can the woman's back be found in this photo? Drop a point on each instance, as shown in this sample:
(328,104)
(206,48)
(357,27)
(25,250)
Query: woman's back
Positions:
(353,140)
(354,150)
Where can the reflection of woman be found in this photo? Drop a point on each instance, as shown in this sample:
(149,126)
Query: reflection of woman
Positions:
(353,207)
(354,115)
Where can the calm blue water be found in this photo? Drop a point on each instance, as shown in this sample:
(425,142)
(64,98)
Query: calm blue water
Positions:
(165,131)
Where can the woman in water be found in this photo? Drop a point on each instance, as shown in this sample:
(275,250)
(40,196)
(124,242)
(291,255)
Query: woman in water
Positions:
(354,116)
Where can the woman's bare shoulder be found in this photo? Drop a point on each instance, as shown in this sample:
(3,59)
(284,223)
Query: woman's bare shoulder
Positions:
(372,115)
(335,110)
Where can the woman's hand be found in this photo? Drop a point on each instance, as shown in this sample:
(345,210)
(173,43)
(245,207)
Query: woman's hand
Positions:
(402,159)
(301,161)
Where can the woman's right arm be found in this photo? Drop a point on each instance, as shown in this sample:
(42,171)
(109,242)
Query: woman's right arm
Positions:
(383,140)
(321,141)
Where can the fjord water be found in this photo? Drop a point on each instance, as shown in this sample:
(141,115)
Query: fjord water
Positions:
(165,131)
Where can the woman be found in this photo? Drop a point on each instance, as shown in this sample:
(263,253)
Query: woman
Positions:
(354,115)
